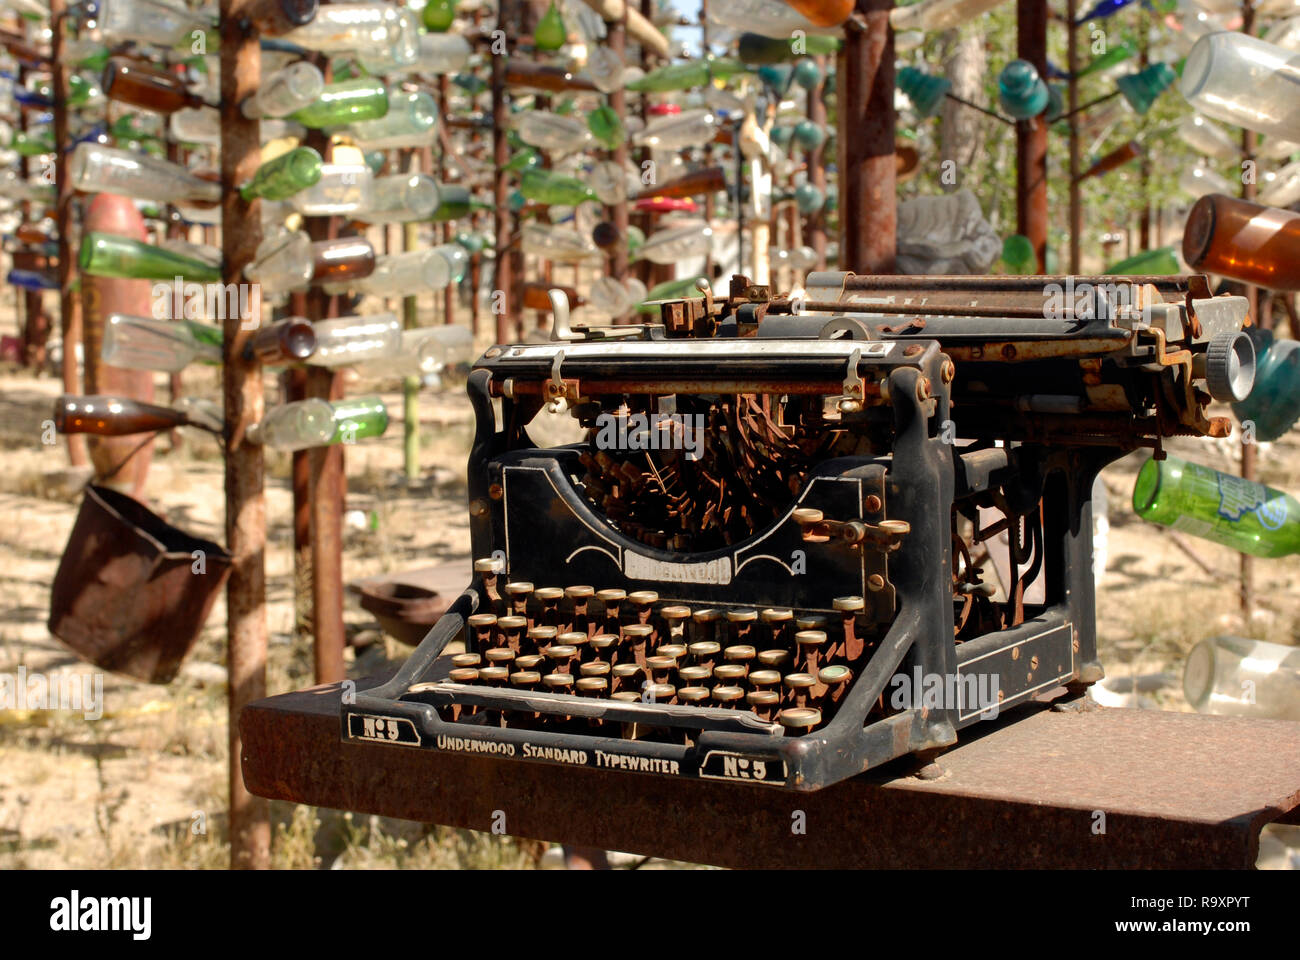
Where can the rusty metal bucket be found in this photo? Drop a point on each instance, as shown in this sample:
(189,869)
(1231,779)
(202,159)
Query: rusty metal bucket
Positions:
(132,592)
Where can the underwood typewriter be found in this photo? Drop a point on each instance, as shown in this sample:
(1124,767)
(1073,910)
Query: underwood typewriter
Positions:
(768,557)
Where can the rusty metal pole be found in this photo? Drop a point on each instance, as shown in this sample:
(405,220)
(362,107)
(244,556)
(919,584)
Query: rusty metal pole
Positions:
(1031,134)
(616,38)
(241,66)
(816,229)
(1072,101)
(1249,452)
(502,279)
(69,314)
(710,198)
(868,187)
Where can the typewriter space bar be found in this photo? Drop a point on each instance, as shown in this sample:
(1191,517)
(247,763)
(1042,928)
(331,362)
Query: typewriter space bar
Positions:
(673,715)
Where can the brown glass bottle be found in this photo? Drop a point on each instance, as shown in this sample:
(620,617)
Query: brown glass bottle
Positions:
(708,180)
(1116,158)
(113,416)
(1244,241)
(537,295)
(126,81)
(347,258)
(288,341)
(541,77)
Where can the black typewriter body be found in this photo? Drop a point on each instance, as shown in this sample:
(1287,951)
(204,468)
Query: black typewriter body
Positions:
(804,599)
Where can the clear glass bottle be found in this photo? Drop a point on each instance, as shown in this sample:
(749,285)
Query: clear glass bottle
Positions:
(150,22)
(287,90)
(399,274)
(200,125)
(399,198)
(1208,138)
(1245,81)
(95,168)
(348,340)
(1232,676)
(934,15)
(283,262)
(343,188)
(559,244)
(1285,188)
(442,53)
(551,131)
(690,128)
(410,122)
(141,343)
(677,243)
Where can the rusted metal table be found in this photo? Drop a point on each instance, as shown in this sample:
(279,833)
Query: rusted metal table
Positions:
(1176,791)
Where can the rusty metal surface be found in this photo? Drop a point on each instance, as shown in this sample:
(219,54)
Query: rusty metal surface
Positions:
(1177,791)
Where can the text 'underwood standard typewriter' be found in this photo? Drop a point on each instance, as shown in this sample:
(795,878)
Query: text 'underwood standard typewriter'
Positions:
(769,559)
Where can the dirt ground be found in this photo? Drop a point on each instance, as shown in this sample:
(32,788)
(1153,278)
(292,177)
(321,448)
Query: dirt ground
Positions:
(144,786)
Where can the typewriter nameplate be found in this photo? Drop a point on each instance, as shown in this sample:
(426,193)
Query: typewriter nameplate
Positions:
(726,765)
(399,731)
(640,567)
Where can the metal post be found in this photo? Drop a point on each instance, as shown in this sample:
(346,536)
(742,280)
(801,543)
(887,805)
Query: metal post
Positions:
(69,314)
(816,226)
(1072,103)
(616,38)
(502,280)
(411,320)
(1031,134)
(241,66)
(868,187)
(1249,452)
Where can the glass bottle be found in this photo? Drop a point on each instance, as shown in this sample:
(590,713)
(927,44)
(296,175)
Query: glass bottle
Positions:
(111,255)
(441,53)
(33,143)
(400,48)
(1245,81)
(546,186)
(409,122)
(342,188)
(1116,158)
(771,18)
(541,76)
(349,101)
(288,174)
(456,257)
(674,244)
(757,50)
(348,340)
(685,76)
(127,81)
(1232,676)
(550,33)
(454,202)
(149,21)
(690,128)
(1285,188)
(342,259)
(1245,241)
(399,274)
(283,261)
(935,15)
(286,341)
(550,131)
(1274,402)
(98,169)
(109,416)
(1208,138)
(402,197)
(141,343)
(1199,179)
(200,125)
(606,127)
(287,90)
(560,244)
(438,15)
(1228,510)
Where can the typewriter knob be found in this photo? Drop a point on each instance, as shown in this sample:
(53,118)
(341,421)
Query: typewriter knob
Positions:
(1229,362)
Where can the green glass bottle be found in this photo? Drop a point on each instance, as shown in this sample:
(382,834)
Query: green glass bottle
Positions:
(551,33)
(1111,58)
(287,174)
(358,418)
(455,201)
(438,15)
(683,76)
(606,127)
(33,144)
(543,186)
(525,159)
(110,255)
(1158,262)
(1230,511)
(96,60)
(347,102)
(82,91)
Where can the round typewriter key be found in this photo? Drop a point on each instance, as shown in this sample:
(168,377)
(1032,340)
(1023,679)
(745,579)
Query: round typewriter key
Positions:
(579,594)
(836,680)
(799,720)
(676,615)
(550,598)
(592,686)
(602,646)
(660,693)
(483,627)
(559,656)
(725,696)
(706,622)
(811,644)
(695,676)
(626,696)
(626,678)
(742,615)
(576,640)
(765,679)
(635,638)
(528,679)
(500,657)
(518,593)
(494,676)
(463,675)
(704,653)
(763,703)
(528,661)
(541,638)
(810,622)
(776,615)
(597,668)
(643,597)
(558,682)
(612,599)
(611,595)
(850,647)
(465,660)
(694,696)
(730,674)
(642,601)
(798,686)
(661,668)
(742,625)
(778,622)
(512,630)
(774,659)
(740,653)
(674,650)
(485,565)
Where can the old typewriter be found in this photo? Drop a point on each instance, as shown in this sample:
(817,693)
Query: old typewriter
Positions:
(768,556)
